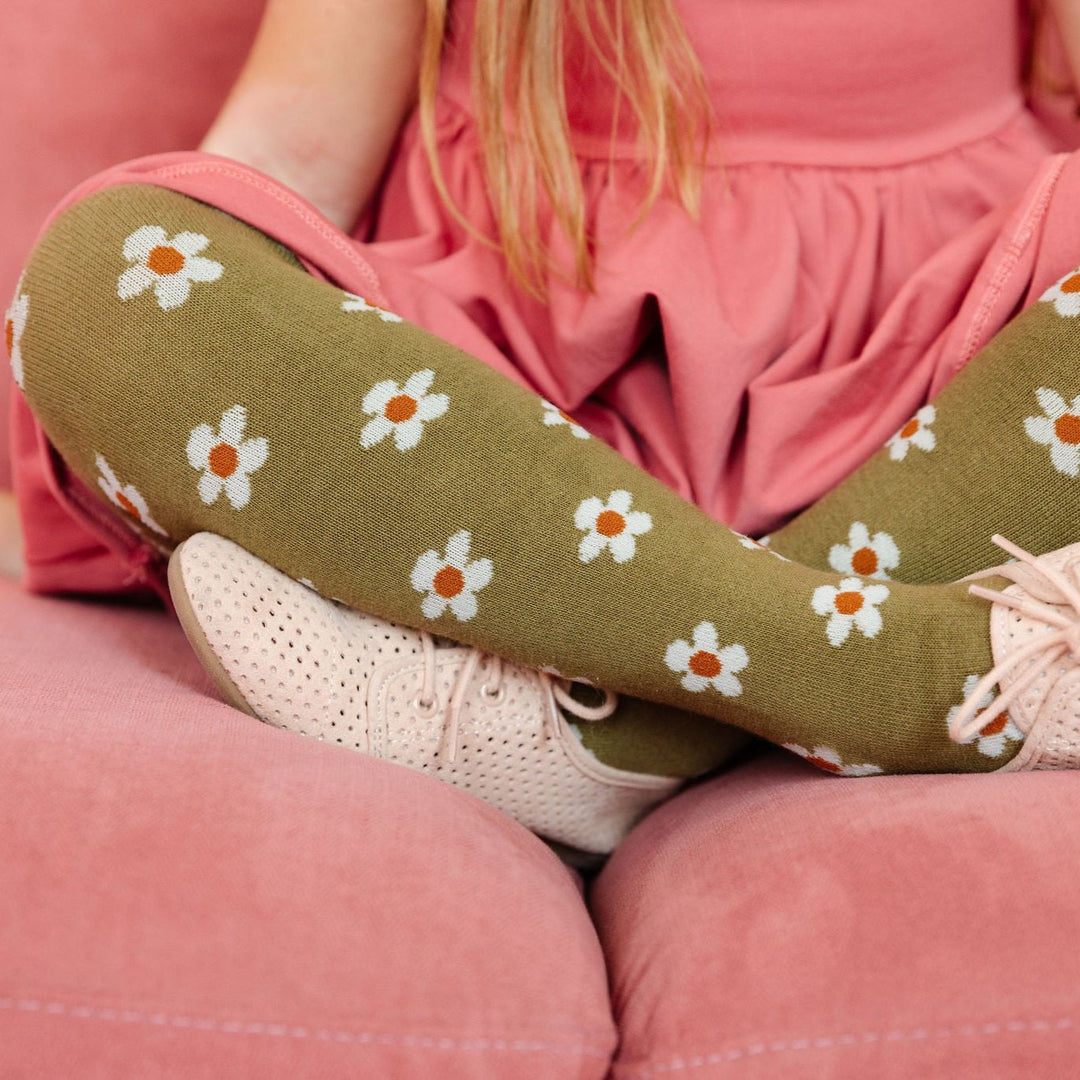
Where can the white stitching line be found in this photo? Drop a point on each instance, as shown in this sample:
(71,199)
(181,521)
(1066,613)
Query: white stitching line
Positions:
(829,1042)
(237,1027)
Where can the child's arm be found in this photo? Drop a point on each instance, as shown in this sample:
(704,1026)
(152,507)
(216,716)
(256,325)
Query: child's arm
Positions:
(1067,16)
(10,537)
(322,95)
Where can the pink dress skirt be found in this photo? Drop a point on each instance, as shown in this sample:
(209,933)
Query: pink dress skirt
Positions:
(878,202)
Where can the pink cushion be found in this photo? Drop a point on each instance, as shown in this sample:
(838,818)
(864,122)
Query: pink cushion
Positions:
(185,891)
(87,85)
(779,924)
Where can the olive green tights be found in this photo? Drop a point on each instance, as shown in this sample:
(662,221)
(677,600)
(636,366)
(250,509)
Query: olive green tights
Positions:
(190,371)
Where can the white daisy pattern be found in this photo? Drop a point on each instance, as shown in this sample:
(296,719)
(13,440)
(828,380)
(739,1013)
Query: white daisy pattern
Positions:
(168,265)
(1059,429)
(702,663)
(824,757)
(991,739)
(916,432)
(554,416)
(401,410)
(1065,295)
(612,525)
(749,542)
(125,496)
(226,458)
(852,603)
(14,324)
(451,580)
(352,302)
(865,555)
(762,544)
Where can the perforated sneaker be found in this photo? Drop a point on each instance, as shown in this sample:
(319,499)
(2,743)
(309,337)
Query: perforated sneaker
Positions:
(286,655)
(1035,638)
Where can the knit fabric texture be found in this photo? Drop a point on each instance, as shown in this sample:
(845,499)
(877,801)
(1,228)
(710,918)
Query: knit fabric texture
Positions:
(192,372)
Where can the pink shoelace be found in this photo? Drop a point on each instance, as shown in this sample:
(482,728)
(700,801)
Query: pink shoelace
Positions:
(493,691)
(1045,587)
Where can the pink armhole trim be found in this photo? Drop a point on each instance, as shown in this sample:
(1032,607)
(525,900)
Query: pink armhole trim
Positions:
(221,167)
(1027,223)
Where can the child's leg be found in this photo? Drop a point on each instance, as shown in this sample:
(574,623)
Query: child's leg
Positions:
(206,382)
(641,736)
(998,451)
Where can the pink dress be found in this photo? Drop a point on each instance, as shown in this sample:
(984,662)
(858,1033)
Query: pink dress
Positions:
(753,358)
(878,203)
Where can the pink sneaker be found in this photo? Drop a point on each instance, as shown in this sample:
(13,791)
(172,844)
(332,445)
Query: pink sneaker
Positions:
(1035,638)
(281,652)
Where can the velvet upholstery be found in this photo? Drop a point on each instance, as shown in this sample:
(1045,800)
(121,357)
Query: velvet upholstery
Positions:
(778,923)
(187,892)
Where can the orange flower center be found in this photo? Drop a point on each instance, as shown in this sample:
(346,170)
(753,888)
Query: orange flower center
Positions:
(128,505)
(165,260)
(996,725)
(705,664)
(9,336)
(223,460)
(847,603)
(1067,428)
(610,523)
(567,417)
(400,408)
(1071,284)
(821,763)
(909,428)
(864,562)
(448,582)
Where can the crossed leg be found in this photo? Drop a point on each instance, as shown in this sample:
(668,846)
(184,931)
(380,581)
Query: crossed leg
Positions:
(188,367)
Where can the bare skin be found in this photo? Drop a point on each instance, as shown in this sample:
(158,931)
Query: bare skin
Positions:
(1067,16)
(322,96)
(10,538)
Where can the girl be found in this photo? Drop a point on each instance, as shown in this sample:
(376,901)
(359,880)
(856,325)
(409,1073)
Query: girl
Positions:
(723,238)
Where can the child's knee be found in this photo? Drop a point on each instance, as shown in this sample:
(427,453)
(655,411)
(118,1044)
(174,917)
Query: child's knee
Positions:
(121,286)
(121,300)
(99,278)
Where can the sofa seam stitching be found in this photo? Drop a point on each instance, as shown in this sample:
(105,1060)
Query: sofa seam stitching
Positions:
(1007,1027)
(296,1031)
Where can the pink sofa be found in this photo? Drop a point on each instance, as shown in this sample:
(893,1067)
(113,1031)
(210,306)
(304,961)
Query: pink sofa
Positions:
(185,892)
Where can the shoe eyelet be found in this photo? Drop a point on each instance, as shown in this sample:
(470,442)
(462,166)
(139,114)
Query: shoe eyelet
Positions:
(426,710)
(495,697)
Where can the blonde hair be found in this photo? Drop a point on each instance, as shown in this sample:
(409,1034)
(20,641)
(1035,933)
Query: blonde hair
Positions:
(518,83)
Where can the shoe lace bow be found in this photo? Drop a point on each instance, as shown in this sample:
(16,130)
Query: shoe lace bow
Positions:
(493,690)
(1053,597)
